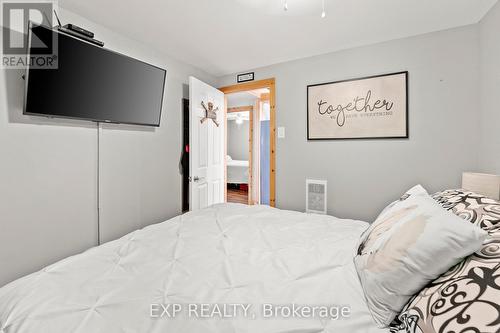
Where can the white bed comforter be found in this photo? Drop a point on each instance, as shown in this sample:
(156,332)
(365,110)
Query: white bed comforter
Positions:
(227,254)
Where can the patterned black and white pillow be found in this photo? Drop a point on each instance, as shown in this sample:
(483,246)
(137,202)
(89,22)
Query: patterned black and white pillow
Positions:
(467,297)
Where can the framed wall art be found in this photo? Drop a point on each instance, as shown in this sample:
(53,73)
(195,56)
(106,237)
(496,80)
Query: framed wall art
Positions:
(374,107)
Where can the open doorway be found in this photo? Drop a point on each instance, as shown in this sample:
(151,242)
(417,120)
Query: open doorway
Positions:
(239,126)
(250,143)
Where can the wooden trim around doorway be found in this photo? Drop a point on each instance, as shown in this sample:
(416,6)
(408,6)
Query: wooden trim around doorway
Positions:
(248,108)
(270,84)
(250,159)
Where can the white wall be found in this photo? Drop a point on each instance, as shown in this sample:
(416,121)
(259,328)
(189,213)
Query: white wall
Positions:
(237,140)
(48,191)
(489,146)
(363,176)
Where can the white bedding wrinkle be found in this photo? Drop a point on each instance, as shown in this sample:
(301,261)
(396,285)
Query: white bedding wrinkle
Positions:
(228,261)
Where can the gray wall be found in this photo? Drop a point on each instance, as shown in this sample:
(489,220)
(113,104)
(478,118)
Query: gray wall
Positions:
(48,191)
(489,148)
(237,135)
(237,140)
(240,99)
(363,176)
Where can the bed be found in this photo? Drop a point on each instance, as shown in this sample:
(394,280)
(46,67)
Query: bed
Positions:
(226,254)
(237,171)
(196,272)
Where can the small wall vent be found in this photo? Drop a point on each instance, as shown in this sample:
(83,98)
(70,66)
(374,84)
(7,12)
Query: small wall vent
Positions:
(316,196)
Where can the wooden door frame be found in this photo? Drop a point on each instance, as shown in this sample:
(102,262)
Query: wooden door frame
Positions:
(249,109)
(253,85)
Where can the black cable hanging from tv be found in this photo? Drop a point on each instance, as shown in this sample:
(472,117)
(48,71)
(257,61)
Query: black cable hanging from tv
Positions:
(98,183)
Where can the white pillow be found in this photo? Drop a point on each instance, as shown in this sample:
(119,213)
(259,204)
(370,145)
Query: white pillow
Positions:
(410,244)
(415,190)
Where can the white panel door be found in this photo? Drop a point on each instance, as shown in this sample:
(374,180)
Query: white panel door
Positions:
(206,146)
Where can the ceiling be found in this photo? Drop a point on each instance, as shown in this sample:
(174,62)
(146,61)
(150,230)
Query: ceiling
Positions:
(228,36)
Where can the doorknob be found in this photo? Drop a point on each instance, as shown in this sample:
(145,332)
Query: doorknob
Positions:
(197,179)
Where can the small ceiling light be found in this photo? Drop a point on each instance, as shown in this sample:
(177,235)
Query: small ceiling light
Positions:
(323,12)
(239,120)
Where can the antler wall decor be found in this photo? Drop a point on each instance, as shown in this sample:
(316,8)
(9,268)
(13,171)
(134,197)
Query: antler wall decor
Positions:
(210,112)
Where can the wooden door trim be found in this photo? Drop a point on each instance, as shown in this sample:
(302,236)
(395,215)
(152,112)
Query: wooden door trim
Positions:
(248,108)
(225,149)
(250,158)
(271,85)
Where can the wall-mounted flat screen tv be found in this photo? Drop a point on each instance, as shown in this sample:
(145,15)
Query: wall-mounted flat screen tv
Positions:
(93,83)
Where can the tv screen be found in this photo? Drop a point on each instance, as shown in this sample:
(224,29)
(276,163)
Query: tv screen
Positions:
(93,83)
